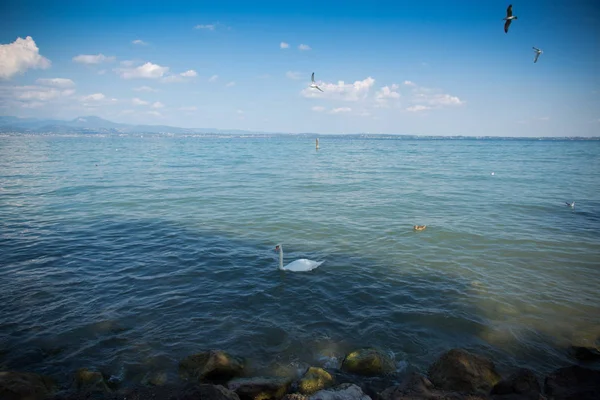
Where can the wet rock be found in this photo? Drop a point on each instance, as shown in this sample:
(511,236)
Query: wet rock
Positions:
(90,382)
(573,383)
(24,385)
(345,391)
(295,396)
(418,387)
(522,384)
(260,388)
(214,365)
(461,371)
(212,392)
(368,362)
(155,378)
(314,380)
(585,354)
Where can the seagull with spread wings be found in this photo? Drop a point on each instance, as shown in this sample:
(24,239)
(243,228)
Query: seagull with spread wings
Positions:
(313,84)
(537,54)
(509,18)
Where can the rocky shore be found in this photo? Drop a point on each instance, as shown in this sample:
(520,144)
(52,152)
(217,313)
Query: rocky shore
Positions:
(457,374)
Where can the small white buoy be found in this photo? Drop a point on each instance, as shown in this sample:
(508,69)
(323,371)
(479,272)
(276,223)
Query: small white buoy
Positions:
(492,173)
(317,143)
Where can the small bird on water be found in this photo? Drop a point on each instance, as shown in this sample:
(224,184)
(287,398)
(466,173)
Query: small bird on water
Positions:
(419,227)
(572,204)
(509,18)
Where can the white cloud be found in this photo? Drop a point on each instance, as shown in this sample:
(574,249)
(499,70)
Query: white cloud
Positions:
(209,27)
(92,59)
(145,89)
(32,96)
(294,75)
(34,104)
(19,56)
(93,97)
(57,82)
(230,84)
(431,98)
(341,91)
(190,73)
(213,78)
(157,104)
(304,47)
(284,45)
(154,113)
(318,109)
(409,83)
(180,77)
(139,102)
(148,71)
(127,63)
(340,110)
(387,93)
(189,108)
(42,94)
(417,108)
(139,42)
(444,100)
(127,112)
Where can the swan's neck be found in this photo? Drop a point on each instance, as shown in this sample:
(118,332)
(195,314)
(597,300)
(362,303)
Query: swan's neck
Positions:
(280,257)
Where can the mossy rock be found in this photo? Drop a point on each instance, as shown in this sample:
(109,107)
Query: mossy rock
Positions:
(462,371)
(314,380)
(214,365)
(368,362)
(25,385)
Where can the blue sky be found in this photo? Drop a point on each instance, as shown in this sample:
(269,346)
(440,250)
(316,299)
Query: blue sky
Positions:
(432,67)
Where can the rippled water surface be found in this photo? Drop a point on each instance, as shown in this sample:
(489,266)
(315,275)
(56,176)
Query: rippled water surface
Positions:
(128,253)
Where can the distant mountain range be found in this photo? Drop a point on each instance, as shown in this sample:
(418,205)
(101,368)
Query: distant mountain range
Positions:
(95,125)
(91,124)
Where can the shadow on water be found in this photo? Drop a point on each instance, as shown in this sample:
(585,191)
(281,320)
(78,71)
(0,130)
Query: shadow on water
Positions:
(132,296)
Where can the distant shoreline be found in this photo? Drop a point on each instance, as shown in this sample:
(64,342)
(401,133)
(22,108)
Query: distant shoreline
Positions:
(252,135)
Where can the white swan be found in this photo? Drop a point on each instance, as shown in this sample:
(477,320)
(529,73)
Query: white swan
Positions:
(299,265)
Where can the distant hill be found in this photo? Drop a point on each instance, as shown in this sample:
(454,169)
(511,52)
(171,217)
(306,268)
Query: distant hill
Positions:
(92,124)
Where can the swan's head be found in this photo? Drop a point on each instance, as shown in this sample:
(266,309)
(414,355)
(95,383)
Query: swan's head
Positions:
(277,247)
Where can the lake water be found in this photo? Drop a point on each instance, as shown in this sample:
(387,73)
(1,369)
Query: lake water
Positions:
(128,253)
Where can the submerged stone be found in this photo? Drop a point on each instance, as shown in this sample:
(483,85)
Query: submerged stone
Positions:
(90,381)
(585,354)
(214,365)
(25,385)
(572,383)
(522,382)
(368,362)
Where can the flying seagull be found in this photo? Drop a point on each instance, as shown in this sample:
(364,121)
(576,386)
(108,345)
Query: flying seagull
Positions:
(537,54)
(509,18)
(572,205)
(313,84)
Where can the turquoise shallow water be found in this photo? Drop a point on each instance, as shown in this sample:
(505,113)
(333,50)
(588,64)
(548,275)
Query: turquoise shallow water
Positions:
(128,253)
